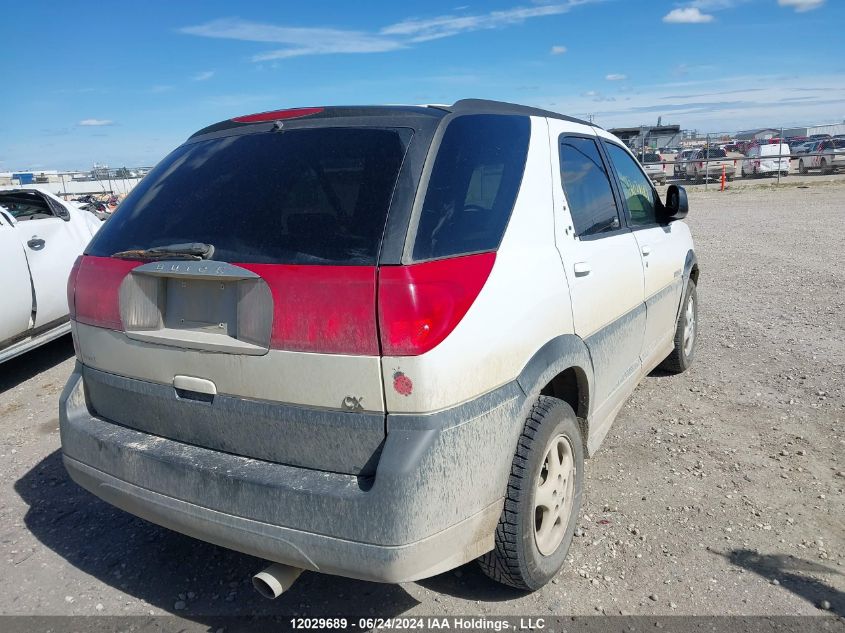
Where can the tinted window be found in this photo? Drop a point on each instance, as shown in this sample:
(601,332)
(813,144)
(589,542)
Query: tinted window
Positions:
(587,187)
(297,197)
(714,152)
(473,185)
(651,158)
(636,187)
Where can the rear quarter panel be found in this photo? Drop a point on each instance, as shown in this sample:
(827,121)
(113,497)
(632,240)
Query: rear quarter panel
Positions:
(524,304)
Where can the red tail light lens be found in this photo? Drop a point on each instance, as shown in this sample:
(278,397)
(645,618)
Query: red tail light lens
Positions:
(71,288)
(421,304)
(96,300)
(325,309)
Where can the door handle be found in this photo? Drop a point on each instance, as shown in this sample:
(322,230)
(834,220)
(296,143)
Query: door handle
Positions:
(646,250)
(36,243)
(582,269)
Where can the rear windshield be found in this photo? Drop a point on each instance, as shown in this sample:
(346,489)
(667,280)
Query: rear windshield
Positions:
(313,196)
(714,152)
(839,143)
(651,158)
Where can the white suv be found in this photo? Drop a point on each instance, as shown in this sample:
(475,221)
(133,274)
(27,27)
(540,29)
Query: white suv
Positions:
(375,341)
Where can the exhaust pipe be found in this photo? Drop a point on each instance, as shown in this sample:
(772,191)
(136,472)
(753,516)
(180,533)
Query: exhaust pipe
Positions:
(275,580)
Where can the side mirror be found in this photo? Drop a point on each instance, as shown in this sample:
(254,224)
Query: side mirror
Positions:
(676,206)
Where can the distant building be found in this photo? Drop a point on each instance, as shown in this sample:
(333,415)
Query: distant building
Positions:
(760,134)
(649,135)
(833,129)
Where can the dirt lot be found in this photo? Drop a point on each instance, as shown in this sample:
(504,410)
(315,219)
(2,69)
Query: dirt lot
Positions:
(717,492)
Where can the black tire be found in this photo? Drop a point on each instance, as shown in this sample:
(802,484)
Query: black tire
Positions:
(823,167)
(801,169)
(680,359)
(516,560)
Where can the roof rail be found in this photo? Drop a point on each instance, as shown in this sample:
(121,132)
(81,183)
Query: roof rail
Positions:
(503,107)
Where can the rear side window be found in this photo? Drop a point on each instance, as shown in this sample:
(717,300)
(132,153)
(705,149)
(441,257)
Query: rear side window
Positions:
(473,185)
(308,196)
(587,187)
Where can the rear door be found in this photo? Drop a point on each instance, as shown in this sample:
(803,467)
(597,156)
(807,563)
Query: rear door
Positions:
(600,257)
(16,306)
(662,259)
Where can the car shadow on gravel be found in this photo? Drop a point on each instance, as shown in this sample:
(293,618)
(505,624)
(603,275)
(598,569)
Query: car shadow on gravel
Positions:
(793,574)
(469,583)
(175,573)
(28,365)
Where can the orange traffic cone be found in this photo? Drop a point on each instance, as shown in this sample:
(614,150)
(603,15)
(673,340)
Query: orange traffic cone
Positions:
(723,178)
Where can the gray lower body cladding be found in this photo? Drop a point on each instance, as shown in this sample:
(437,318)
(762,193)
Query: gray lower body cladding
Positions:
(432,504)
(338,441)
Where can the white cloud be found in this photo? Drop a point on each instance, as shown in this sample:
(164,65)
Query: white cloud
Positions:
(95,122)
(616,77)
(714,105)
(689,15)
(558,50)
(203,76)
(801,5)
(422,30)
(299,41)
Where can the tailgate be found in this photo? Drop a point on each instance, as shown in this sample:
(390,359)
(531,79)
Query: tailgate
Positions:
(269,347)
(198,360)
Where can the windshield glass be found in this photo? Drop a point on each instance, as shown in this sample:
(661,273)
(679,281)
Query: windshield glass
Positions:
(308,196)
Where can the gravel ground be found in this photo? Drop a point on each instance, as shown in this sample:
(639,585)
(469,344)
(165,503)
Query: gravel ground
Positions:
(719,491)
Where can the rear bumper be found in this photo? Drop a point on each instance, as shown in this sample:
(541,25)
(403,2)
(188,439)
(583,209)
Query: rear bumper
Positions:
(432,505)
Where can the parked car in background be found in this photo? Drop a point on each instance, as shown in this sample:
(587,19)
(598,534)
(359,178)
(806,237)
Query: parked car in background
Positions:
(654,166)
(40,237)
(743,146)
(680,166)
(710,164)
(805,148)
(828,157)
(395,366)
(766,160)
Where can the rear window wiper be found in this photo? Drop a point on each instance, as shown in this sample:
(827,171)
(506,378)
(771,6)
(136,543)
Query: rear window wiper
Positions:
(192,251)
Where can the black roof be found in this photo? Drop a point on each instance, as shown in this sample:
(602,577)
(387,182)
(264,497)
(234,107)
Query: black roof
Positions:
(464,106)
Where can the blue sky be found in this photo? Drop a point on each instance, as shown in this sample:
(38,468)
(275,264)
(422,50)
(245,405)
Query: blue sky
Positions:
(123,83)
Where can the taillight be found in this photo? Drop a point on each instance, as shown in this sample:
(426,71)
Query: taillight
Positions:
(71,287)
(324,309)
(96,298)
(421,304)
(701,165)
(277,115)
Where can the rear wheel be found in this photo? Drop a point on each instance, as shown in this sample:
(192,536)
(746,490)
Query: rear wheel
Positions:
(686,334)
(801,168)
(823,166)
(543,499)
